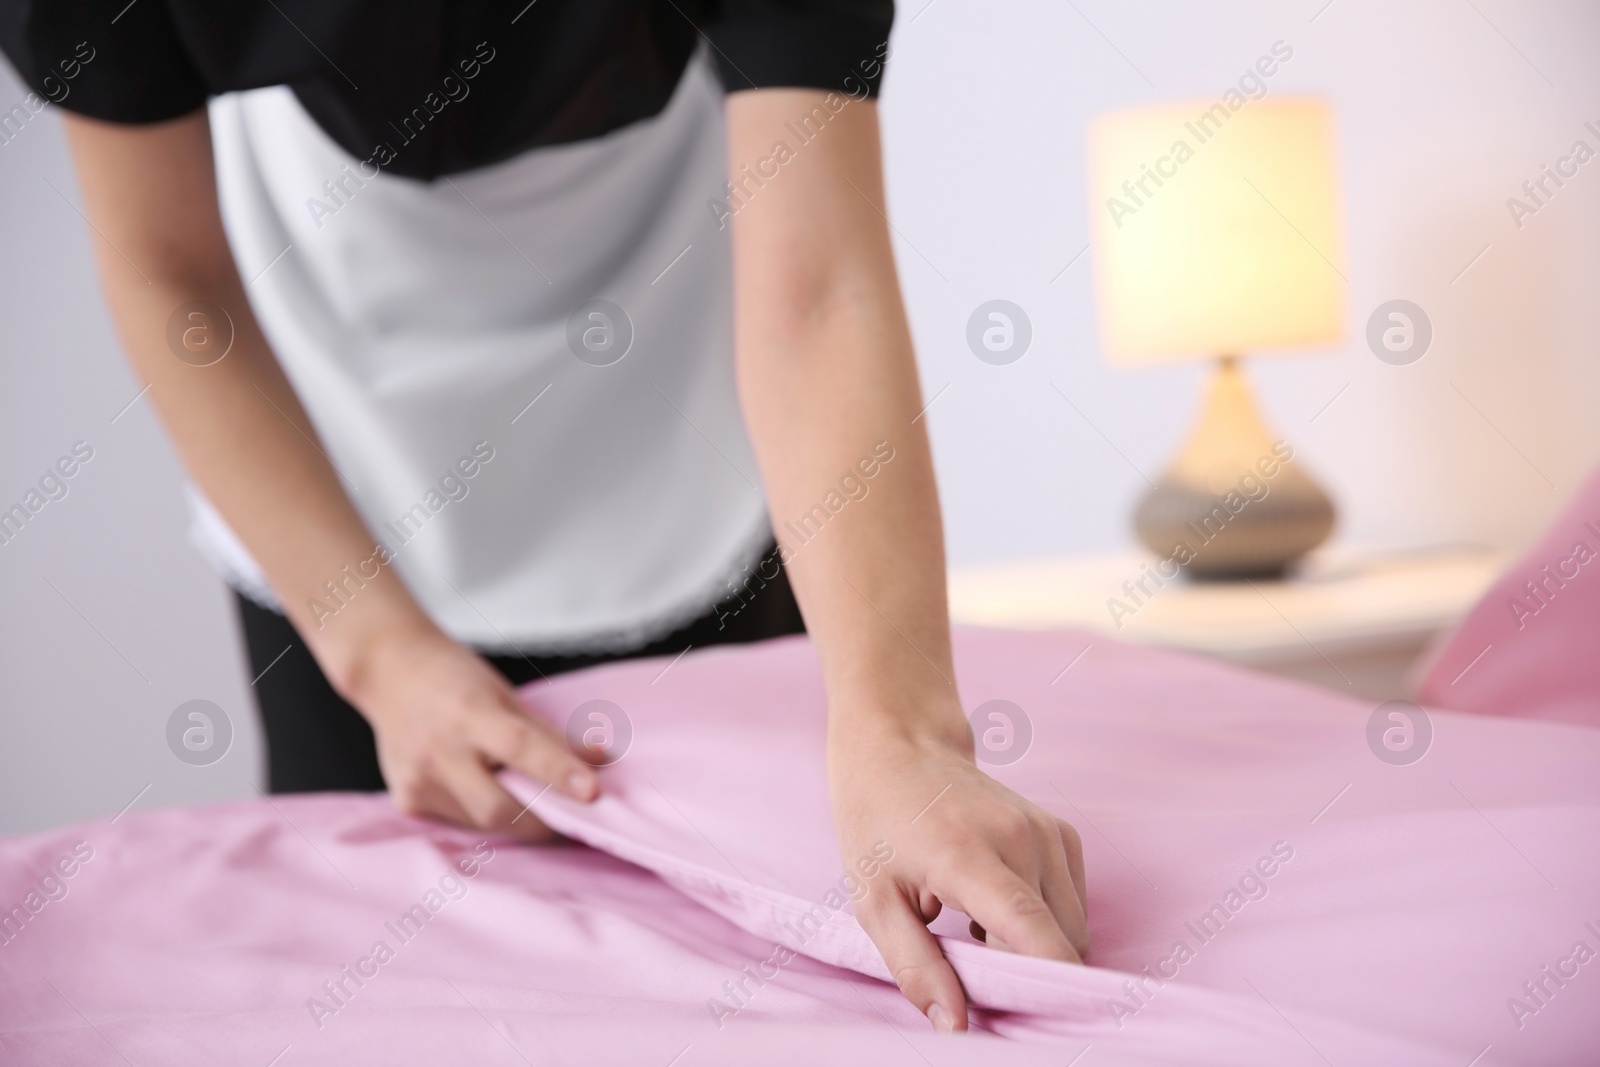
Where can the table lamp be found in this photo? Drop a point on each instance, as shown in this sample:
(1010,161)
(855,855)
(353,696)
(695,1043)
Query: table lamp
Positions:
(1217,233)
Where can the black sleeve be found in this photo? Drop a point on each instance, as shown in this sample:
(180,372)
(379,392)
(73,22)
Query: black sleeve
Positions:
(107,59)
(838,45)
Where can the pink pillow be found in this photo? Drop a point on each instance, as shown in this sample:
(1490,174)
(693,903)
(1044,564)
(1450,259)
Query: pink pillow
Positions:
(1531,646)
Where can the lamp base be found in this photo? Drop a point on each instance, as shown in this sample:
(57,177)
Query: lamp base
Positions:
(1234,504)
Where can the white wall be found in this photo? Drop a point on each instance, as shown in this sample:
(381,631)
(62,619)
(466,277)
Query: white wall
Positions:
(1441,120)
(135,624)
(1445,108)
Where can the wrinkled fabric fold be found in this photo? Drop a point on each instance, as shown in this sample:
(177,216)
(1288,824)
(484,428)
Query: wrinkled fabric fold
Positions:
(1181,774)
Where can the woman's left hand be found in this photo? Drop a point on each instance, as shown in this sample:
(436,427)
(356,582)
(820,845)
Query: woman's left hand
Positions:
(959,839)
(828,381)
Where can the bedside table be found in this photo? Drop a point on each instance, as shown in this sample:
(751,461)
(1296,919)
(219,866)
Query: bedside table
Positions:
(1354,622)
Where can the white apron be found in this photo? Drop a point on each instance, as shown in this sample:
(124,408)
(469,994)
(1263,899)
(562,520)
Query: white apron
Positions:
(418,321)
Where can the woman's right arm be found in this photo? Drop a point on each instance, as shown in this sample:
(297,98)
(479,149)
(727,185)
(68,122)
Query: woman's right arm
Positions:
(444,719)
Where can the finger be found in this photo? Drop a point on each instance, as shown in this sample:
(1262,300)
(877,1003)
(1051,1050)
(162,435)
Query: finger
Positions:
(980,934)
(1012,910)
(1060,893)
(1074,848)
(511,738)
(486,804)
(915,962)
(928,906)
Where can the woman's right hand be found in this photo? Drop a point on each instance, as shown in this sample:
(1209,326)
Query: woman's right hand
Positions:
(445,721)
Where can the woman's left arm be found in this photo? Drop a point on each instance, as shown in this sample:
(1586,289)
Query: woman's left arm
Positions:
(829,387)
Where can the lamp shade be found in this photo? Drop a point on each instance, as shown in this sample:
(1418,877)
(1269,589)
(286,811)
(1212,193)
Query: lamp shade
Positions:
(1216,231)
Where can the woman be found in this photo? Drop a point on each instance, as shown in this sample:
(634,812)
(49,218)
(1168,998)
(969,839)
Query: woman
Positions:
(445,319)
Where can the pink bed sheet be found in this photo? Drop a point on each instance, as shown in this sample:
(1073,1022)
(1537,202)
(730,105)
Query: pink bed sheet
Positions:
(1425,913)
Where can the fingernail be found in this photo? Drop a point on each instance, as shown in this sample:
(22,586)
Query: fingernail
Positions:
(941,1020)
(583,786)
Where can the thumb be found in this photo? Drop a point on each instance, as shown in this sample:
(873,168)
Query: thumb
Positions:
(912,955)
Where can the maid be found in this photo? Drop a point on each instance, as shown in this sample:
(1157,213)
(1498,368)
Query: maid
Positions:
(496,340)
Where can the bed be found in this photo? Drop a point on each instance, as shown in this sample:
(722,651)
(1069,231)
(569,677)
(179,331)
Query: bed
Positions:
(1277,874)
